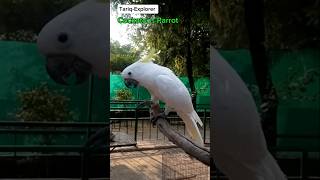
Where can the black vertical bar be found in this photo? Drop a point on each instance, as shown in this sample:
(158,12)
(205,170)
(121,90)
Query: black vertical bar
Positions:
(89,107)
(150,132)
(204,125)
(303,174)
(84,160)
(84,168)
(15,140)
(127,124)
(142,128)
(90,94)
(157,132)
(188,26)
(135,125)
(211,124)
(254,18)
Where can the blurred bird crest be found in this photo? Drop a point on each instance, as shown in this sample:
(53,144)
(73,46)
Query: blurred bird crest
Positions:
(150,56)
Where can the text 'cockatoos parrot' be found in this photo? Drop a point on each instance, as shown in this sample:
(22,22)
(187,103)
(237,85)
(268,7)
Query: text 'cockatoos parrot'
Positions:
(164,85)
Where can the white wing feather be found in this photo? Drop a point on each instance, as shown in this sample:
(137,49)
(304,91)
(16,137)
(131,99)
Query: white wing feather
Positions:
(172,91)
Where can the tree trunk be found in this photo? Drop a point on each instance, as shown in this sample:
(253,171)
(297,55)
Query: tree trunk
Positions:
(189,52)
(254,17)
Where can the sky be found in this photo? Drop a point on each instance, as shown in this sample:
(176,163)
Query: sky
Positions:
(118,31)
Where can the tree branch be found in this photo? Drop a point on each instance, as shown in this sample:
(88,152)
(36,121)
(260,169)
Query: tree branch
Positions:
(200,153)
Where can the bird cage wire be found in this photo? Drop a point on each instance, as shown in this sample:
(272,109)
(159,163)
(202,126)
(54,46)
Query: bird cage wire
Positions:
(179,166)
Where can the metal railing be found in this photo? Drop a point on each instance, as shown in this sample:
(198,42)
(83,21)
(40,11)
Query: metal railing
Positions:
(45,128)
(303,158)
(128,117)
(137,123)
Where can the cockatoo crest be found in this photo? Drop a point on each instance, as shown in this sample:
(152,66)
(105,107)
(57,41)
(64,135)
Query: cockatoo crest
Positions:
(150,57)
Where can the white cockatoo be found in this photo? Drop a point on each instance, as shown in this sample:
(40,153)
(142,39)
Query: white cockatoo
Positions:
(77,42)
(239,146)
(164,85)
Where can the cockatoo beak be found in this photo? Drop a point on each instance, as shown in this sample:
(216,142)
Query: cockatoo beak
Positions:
(131,83)
(60,68)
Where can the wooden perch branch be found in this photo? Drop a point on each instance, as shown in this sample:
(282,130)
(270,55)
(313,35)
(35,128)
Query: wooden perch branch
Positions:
(200,153)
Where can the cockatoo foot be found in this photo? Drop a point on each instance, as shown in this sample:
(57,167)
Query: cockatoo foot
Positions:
(155,118)
(155,114)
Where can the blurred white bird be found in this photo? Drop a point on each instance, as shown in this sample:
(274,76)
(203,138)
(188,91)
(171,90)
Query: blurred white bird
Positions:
(76,42)
(240,149)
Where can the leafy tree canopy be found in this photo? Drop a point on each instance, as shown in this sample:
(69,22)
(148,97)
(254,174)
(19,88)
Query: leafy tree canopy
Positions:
(23,19)
(122,56)
(289,24)
(172,39)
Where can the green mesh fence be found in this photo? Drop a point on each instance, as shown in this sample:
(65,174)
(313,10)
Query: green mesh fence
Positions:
(202,86)
(296,76)
(22,67)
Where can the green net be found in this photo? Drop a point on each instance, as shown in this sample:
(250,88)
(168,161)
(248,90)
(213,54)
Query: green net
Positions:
(295,75)
(202,86)
(22,68)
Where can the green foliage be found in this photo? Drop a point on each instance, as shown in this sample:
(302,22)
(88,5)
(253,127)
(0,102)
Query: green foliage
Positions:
(172,39)
(179,65)
(289,24)
(228,27)
(20,35)
(124,94)
(298,85)
(43,104)
(122,56)
(292,24)
(23,19)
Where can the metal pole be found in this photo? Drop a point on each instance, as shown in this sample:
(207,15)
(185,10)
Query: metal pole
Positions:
(90,93)
(15,141)
(303,161)
(85,154)
(204,125)
(84,167)
(89,108)
(136,125)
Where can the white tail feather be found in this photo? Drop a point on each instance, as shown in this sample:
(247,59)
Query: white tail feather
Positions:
(191,121)
(196,118)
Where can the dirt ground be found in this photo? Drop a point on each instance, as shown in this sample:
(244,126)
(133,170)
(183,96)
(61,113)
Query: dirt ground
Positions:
(156,165)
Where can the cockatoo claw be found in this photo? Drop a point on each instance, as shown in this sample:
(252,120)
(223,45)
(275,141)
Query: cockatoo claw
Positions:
(154,118)
(162,115)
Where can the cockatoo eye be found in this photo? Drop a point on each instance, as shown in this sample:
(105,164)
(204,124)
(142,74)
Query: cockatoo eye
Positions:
(129,73)
(63,37)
